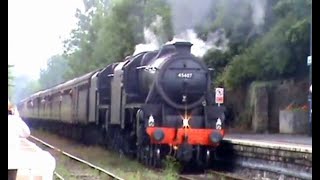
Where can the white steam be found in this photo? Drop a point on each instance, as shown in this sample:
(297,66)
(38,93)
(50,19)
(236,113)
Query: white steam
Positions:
(216,40)
(189,14)
(152,42)
(258,14)
(200,47)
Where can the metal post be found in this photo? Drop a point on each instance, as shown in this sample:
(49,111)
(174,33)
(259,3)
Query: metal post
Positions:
(310,79)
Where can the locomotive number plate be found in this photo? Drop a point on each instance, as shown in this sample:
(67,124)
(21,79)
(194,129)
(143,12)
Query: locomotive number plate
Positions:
(185,75)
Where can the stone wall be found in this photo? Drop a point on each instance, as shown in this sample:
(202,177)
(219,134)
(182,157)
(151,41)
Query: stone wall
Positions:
(284,93)
(293,122)
(257,106)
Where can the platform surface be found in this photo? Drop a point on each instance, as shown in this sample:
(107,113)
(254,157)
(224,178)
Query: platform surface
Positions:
(280,141)
(30,160)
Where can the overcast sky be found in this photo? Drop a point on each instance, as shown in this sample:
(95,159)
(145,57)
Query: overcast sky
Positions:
(36,31)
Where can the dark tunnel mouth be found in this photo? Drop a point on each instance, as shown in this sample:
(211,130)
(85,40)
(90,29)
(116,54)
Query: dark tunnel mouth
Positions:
(164,95)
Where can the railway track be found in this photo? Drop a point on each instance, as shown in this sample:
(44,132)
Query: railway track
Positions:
(58,176)
(224,176)
(210,175)
(207,176)
(101,171)
(244,167)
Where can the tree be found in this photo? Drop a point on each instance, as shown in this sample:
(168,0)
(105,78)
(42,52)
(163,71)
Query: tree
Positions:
(24,87)
(274,48)
(281,52)
(108,32)
(80,45)
(57,66)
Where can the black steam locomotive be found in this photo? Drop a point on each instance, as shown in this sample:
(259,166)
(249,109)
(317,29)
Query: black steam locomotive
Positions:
(150,105)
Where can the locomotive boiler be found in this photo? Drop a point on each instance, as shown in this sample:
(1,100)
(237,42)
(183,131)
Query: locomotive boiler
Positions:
(149,105)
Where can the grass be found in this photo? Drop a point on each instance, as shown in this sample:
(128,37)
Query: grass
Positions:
(129,169)
(61,168)
(172,168)
(122,166)
(68,170)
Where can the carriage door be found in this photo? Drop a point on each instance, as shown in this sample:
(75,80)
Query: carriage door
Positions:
(75,104)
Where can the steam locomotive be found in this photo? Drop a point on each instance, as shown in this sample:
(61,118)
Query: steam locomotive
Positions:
(150,105)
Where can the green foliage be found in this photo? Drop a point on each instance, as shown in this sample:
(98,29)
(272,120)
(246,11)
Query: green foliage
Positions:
(217,60)
(110,32)
(263,60)
(79,47)
(172,168)
(57,66)
(235,18)
(154,8)
(116,38)
(280,52)
(274,47)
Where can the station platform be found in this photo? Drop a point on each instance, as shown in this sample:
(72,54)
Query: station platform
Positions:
(300,143)
(30,161)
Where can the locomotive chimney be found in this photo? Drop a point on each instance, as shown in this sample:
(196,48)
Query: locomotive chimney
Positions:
(183,47)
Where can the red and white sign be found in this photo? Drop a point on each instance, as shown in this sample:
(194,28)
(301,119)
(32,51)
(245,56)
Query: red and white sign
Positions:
(219,95)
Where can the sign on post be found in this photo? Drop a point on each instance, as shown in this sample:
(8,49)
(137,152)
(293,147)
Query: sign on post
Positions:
(219,95)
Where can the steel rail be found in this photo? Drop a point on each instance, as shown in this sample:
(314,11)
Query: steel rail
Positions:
(224,175)
(77,159)
(219,175)
(58,175)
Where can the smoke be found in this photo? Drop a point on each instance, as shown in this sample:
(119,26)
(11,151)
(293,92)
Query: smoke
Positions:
(216,40)
(258,13)
(152,41)
(189,14)
(186,16)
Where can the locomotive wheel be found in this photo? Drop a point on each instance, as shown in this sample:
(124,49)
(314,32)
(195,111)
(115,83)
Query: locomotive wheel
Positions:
(143,154)
(144,147)
(207,158)
(153,155)
(150,159)
(139,154)
(146,156)
(156,157)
